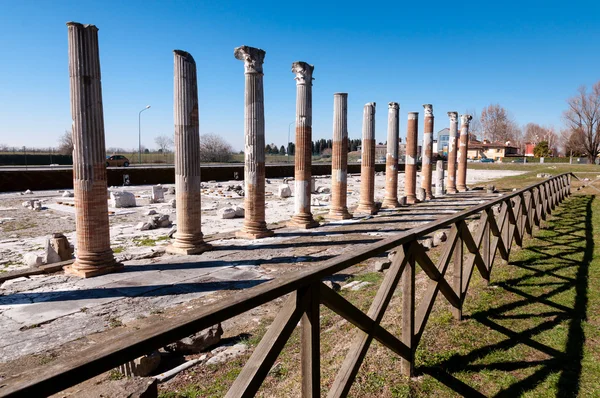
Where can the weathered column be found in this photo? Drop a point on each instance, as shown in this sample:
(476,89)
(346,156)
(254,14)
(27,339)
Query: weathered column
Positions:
(439,178)
(339,159)
(463,148)
(94,255)
(410,169)
(366,204)
(427,158)
(303,156)
(452,148)
(254,149)
(390,200)
(188,239)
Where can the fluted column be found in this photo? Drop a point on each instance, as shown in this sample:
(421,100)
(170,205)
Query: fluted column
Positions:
(410,170)
(254,149)
(366,205)
(188,239)
(390,200)
(439,178)
(303,218)
(427,158)
(94,255)
(452,148)
(339,159)
(463,148)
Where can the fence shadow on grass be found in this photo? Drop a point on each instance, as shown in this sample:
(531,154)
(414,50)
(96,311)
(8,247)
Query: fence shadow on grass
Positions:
(569,232)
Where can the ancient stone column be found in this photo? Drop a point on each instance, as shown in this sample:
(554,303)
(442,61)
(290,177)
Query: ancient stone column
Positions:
(452,148)
(390,199)
(188,239)
(366,204)
(303,156)
(94,255)
(410,170)
(254,148)
(339,159)
(439,178)
(427,158)
(463,148)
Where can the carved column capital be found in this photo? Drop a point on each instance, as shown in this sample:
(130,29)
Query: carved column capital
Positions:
(253,58)
(453,116)
(465,119)
(428,109)
(304,72)
(394,105)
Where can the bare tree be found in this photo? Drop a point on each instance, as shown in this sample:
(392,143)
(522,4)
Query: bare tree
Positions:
(214,149)
(475,125)
(534,133)
(497,125)
(65,143)
(583,118)
(572,142)
(164,143)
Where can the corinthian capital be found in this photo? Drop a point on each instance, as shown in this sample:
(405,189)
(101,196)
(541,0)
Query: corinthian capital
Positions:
(253,58)
(465,119)
(394,105)
(303,72)
(428,109)
(453,116)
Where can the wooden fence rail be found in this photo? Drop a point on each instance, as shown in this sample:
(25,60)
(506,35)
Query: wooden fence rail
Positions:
(501,221)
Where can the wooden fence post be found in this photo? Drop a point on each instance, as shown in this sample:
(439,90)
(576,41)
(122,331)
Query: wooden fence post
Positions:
(408,315)
(457,260)
(310,344)
(485,250)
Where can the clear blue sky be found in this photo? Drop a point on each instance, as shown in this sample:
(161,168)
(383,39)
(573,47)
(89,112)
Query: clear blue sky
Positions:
(527,56)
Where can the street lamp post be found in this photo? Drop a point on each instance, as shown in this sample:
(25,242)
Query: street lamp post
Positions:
(287,151)
(140,133)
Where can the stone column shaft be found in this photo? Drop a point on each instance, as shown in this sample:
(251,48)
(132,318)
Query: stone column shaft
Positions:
(439,178)
(410,170)
(94,255)
(188,239)
(427,158)
(390,200)
(303,156)
(367,169)
(254,148)
(339,159)
(463,148)
(452,149)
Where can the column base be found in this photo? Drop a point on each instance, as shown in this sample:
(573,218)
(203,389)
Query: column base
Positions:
(462,189)
(302,221)
(244,234)
(188,251)
(369,209)
(339,215)
(411,200)
(429,196)
(451,190)
(390,203)
(91,272)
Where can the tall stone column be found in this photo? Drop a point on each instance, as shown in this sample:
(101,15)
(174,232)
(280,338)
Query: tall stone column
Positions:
(339,159)
(94,255)
(452,149)
(254,149)
(410,170)
(463,148)
(188,239)
(303,218)
(390,201)
(366,205)
(427,158)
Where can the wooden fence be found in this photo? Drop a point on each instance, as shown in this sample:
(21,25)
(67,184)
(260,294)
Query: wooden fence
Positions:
(501,221)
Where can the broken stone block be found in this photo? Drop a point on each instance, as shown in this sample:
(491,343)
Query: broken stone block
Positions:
(198,342)
(349,285)
(50,255)
(332,285)
(402,200)
(360,285)
(163,221)
(439,238)
(226,213)
(240,212)
(315,201)
(490,188)
(427,243)
(138,387)
(28,192)
(285,191)
(421,194)
(171,191)
(157,195)
(267,181)
(142,366)
(228,354)
(172,232)
(32,260)
(173,203)
(67,194)
(27,203)
(323,190)
(121,199)
(144,226)
(151,212)
(37,205)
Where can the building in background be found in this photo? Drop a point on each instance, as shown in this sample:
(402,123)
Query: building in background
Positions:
(529,146)
(491,150)
(443,140)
